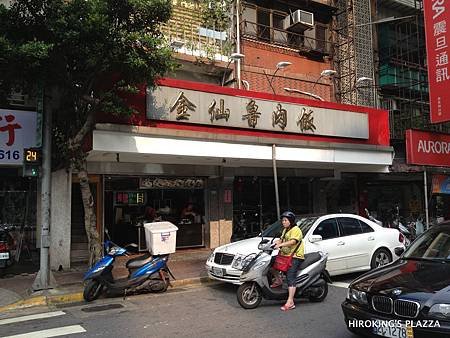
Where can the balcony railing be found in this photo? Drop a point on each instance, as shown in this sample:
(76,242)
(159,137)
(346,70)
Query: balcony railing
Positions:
(281,37)
(192,39)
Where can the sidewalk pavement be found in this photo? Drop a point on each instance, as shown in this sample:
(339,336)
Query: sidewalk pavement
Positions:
(187,265)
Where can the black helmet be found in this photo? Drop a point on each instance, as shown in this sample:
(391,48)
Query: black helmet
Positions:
(289,215)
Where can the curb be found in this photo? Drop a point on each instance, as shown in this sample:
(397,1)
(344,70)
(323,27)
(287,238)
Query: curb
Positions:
(77,297)
(44,301)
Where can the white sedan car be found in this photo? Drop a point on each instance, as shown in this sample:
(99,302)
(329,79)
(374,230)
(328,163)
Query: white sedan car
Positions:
(353,244)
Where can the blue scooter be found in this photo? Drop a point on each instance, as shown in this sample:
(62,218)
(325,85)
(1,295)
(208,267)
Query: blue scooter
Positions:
(147,273)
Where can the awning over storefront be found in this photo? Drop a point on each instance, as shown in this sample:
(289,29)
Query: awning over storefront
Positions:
(116,146)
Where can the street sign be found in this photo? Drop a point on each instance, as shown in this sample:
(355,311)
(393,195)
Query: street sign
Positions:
(437,18)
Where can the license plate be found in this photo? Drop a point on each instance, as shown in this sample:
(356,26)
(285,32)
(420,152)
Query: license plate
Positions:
(399,330)
(4,255)
(218,272)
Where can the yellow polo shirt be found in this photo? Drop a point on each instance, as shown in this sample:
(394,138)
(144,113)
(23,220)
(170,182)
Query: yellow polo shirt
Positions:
(293,233)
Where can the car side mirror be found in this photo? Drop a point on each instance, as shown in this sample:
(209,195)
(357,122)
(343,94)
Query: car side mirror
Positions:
(315,238)
(399,251)
(264,241)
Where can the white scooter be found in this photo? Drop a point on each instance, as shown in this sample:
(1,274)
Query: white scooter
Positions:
(312,278)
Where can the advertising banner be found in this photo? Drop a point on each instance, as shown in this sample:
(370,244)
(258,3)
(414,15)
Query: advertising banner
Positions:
(437,16)
(427,148)
(17,131)
(441,184)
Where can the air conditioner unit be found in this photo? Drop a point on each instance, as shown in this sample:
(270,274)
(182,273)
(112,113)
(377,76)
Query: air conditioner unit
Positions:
(18,99)
(299,21)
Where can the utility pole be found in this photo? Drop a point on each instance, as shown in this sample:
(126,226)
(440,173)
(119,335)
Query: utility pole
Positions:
(44,278)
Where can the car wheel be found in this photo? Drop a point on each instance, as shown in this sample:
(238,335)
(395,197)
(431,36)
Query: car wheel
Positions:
(249,295)
(92,290)
(380,257)
(321,295)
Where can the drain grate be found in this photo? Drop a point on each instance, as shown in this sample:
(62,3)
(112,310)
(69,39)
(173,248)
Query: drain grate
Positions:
(102,308)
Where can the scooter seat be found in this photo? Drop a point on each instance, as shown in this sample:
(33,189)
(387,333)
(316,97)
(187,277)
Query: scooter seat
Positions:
(139,261)
(310,259)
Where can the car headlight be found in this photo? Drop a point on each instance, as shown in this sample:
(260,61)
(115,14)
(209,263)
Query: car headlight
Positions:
(240,261)
(440,311)
(237,262)
(357,296)
(211,257)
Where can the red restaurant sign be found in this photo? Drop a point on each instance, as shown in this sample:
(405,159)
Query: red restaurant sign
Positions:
(426,148)
(437,15)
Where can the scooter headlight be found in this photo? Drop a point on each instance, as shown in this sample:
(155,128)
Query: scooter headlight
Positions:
(247,260)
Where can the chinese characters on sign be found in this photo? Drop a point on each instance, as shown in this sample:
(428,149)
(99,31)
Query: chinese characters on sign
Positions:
(10,128)
(437,19)
(210,108)
(182,104)
(17,131)
(306,120)
(279,117)
(253,114)
(218,113)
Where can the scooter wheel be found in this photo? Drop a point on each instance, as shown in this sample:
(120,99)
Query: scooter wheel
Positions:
(92,290)
(321,295)
(249,295)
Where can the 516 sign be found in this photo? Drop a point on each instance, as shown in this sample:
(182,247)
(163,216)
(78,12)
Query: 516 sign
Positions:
(9,154)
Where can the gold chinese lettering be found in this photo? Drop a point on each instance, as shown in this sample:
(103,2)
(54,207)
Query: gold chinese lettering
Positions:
(252,115)
(279,117)
(218,113)
(182,104)
(306,120)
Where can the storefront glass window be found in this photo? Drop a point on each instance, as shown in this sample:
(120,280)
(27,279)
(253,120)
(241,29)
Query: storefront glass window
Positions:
(130,202)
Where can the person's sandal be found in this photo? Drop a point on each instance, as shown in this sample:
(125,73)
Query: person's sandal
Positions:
(287,307)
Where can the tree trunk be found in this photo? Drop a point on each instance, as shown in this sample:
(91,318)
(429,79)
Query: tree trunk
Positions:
(90,220)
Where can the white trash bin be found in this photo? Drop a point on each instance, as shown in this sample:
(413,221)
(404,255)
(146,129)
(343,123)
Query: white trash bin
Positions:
(161,237)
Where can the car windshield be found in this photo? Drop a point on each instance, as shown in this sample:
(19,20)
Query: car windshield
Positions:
(274,230)
(433,245)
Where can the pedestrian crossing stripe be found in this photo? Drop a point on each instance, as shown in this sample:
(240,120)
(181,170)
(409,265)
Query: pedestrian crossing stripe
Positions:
(32,317)
(59,331)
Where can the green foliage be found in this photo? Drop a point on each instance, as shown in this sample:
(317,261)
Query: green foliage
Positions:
(216,14)
(86,52)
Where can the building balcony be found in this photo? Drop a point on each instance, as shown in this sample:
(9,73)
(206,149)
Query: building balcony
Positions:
(302,43)
(199,42)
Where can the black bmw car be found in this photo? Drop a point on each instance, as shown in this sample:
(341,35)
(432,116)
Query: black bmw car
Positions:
(409,298)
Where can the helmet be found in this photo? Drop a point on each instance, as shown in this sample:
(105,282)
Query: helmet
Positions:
(289,215)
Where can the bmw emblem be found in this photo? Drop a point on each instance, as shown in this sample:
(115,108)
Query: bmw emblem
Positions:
(396,292)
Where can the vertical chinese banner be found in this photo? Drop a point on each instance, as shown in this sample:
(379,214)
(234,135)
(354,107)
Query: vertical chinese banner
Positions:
(437,17)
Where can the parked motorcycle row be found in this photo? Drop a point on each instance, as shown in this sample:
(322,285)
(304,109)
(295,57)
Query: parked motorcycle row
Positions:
(410,230)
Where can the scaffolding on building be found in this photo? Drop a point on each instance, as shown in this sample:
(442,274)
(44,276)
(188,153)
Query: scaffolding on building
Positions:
(353,55)
(402,71)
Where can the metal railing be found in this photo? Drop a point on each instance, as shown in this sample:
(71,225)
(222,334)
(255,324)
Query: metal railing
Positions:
(281,37)
(192,39)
